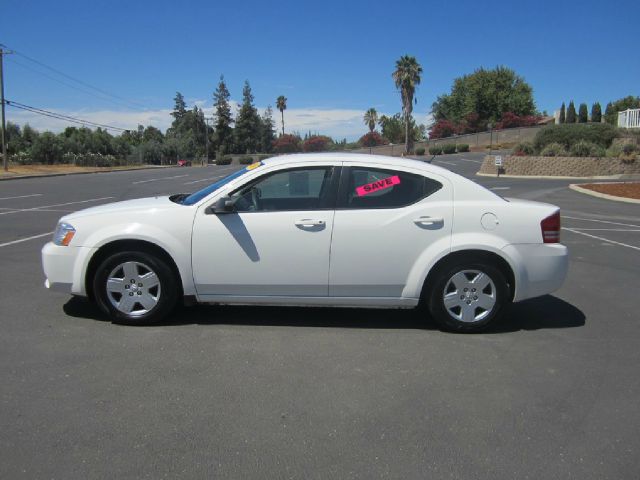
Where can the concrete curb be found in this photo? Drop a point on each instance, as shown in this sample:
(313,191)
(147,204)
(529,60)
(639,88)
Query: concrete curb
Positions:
(63,174)
(623,176)
(606,196)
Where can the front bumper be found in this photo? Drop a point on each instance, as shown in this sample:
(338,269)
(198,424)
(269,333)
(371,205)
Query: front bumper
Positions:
(64,267)
(539,269)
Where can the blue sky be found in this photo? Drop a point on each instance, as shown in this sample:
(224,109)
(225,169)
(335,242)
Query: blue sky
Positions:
(331,59)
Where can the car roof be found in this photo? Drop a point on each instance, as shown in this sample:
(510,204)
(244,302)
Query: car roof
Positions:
(358,157)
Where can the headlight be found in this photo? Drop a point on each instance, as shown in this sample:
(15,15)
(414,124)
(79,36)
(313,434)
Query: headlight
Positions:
(63,234)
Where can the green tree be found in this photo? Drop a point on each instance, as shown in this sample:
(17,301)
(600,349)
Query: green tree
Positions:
(489,93)
(596,113)
(223,129)
(571,113)
(267,130)
(371,118)
(180,107)
(563,114)
(47,148)
(583,113)
(247,123)
(611,113)
(407,77)
(152,134)
(281,104)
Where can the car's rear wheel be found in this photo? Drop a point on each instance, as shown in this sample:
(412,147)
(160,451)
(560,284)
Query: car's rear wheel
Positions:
(468,297)
(135,288)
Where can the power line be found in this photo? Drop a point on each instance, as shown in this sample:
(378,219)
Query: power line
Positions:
(70,85)
(88,85)
(61,116)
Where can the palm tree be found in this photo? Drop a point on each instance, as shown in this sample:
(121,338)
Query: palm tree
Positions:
(371,118)
(407,78)
(281,103)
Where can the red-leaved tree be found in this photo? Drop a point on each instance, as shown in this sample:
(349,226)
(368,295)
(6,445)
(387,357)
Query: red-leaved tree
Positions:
(443,129)
(372,139)
(287,144)
(317,143)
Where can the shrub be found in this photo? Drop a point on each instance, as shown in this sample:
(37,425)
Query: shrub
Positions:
(582,148)
(287,144)
(246,160)
(568,134)
(614,151)
(463,147)
(448,148)
(224,160)
(554,150)
(435,150)
(372,139)
(523,148)
(443,129)
(420,151)
(317,143)
(629,148)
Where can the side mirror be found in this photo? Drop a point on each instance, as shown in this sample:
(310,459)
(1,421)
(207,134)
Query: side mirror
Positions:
(224,205)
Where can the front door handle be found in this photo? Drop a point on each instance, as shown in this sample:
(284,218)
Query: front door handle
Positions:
(308,223)
(426,220)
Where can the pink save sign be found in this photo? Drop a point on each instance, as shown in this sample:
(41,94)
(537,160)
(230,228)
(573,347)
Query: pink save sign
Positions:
(377,185)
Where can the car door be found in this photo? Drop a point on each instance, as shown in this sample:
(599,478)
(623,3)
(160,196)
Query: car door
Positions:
(276,242)
(385,218)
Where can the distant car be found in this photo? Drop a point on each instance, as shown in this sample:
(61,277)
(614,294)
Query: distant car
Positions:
(318,230)
(184,163)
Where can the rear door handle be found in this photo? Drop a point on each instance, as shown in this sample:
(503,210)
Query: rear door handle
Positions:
(308,223)
(426,220)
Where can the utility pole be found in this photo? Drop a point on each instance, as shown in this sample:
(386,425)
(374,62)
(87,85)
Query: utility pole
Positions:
(206,138)
(5,161)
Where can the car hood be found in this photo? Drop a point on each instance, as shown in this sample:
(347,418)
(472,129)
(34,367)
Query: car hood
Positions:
(141,205)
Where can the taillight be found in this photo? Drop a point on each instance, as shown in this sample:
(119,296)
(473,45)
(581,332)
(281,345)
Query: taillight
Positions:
(550,227)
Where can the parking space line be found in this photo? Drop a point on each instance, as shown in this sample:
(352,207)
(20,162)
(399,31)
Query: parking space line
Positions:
(26,239)
(22,196)
(203,180)
(499,188)
(601,238)
(468,160)
(601,221)
(158,179)
(55,205)
(448,163)
(607,229)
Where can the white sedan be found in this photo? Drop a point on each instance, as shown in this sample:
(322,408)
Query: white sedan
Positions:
(317,230)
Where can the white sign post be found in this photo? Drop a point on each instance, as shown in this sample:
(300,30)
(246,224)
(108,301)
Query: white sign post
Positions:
(498,159)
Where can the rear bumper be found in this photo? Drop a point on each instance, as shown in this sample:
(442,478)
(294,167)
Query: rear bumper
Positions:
(64,267)
(539,269)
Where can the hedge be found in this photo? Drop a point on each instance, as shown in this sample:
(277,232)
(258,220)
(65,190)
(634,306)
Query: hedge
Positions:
(448,148)
(435,150)
(601,134)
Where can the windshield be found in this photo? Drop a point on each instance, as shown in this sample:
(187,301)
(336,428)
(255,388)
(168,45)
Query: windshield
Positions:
(208,190)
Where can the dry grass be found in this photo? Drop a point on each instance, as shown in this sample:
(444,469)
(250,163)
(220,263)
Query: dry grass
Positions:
(625,189)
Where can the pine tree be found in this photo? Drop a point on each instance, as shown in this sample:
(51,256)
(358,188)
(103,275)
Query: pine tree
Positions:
(267,131)
(583,113)
(180,107)
(223,130)
(247,123)
(596,113)
(562,118)
(571,113)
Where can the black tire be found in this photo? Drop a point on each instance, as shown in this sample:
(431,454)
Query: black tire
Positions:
(165,293)
(451,318)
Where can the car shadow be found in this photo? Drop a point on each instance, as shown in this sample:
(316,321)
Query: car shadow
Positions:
(545,312)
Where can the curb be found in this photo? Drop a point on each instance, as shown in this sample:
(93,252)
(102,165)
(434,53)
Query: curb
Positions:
(605,196)
(623,176)
(22,177)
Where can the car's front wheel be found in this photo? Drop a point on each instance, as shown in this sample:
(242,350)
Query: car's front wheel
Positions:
(467,297)
(135,288)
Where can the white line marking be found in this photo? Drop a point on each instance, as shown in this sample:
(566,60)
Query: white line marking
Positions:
(499,188)
(601,221)
(38,210)
(22,196)
(20,240)
(203,180)
(467,160)
(607,230)
(601,238)
(158,179)
(56,205)
(448,163)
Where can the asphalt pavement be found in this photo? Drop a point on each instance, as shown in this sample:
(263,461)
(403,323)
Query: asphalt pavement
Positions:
(252,392)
